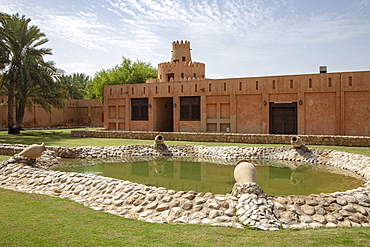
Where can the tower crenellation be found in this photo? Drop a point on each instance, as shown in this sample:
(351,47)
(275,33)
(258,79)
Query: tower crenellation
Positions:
(181,65)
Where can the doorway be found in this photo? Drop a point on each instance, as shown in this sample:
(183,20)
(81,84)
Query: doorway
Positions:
(283,118)
(164,114)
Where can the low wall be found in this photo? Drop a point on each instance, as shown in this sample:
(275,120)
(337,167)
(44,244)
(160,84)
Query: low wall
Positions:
(247,205)
(326,140)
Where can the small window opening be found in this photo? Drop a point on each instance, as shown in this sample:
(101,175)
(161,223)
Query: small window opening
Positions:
(350,81)
(110,91)
(121,91)
(256,85)
(156,89)
(132,91)
(169,89)
(291,83)
(273,84)
(310,83)
(182,88)
(144,90)
(182,75)
(329,82)
(240,86)
(224,86)
(183,59)
(196,87)
(210,87)
(195,75)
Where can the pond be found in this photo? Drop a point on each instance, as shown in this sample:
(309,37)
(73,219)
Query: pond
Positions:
(276,177)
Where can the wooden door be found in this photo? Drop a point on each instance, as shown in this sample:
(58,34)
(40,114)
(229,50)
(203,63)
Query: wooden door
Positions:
(283,118)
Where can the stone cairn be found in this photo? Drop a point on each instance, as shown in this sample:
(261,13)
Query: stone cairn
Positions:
(246,205)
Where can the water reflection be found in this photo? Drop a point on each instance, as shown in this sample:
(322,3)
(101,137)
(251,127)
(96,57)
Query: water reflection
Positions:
(276,177)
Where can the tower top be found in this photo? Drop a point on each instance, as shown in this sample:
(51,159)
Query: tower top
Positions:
(181,51)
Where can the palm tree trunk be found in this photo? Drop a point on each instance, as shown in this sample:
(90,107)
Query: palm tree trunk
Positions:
(19,114)
(11,99)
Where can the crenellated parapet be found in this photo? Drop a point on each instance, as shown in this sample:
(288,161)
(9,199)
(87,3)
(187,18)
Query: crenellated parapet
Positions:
(181,67)
(181,44)
(182,64)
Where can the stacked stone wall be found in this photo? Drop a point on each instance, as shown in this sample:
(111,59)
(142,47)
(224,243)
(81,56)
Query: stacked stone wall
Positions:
(325,140)
(247,205)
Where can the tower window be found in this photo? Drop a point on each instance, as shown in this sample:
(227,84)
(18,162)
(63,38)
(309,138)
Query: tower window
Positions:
(183,59)
(310,83)
(182,75)
(273,84)
(256,85)
(329,82)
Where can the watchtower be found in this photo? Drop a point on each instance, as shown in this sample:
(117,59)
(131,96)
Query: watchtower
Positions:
(181,51)
(181,67)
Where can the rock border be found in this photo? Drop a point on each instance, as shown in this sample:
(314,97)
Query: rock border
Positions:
(247,205)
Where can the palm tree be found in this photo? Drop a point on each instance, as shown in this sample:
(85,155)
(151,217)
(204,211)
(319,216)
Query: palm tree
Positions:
(22,43)
(40,88)
(74,84)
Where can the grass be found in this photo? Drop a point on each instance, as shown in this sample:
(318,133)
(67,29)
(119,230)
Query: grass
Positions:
(38,220)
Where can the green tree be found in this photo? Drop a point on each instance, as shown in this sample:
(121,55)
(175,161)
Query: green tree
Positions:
(128,72)
(39,88)
(22,43)
(74,84)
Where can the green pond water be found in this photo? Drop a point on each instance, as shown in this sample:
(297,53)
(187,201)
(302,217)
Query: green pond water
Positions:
(275,177)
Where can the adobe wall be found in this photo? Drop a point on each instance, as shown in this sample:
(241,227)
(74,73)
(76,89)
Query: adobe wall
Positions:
(327,103)
(75,113)
(326,140)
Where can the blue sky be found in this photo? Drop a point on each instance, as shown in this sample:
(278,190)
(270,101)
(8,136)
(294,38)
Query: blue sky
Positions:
(234,38)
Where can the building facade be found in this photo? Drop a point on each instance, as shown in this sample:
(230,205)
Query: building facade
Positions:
(182,99)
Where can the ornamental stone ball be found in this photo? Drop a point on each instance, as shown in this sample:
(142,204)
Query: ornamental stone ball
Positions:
(33,151)
(245,172)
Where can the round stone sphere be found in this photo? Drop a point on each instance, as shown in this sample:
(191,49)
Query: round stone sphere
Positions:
(245,172)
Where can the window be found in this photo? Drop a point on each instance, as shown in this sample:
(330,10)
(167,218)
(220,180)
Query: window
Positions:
(329,82)
(291,83)
(273,84)
(139,109)
(182,75)
(169,76)
(183,58)
(310,83)
(190,108)
(256,85)
(350,81)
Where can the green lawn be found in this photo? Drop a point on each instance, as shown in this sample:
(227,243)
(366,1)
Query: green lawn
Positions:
(38,220)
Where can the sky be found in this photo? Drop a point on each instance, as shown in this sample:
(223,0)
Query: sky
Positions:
(234,38)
